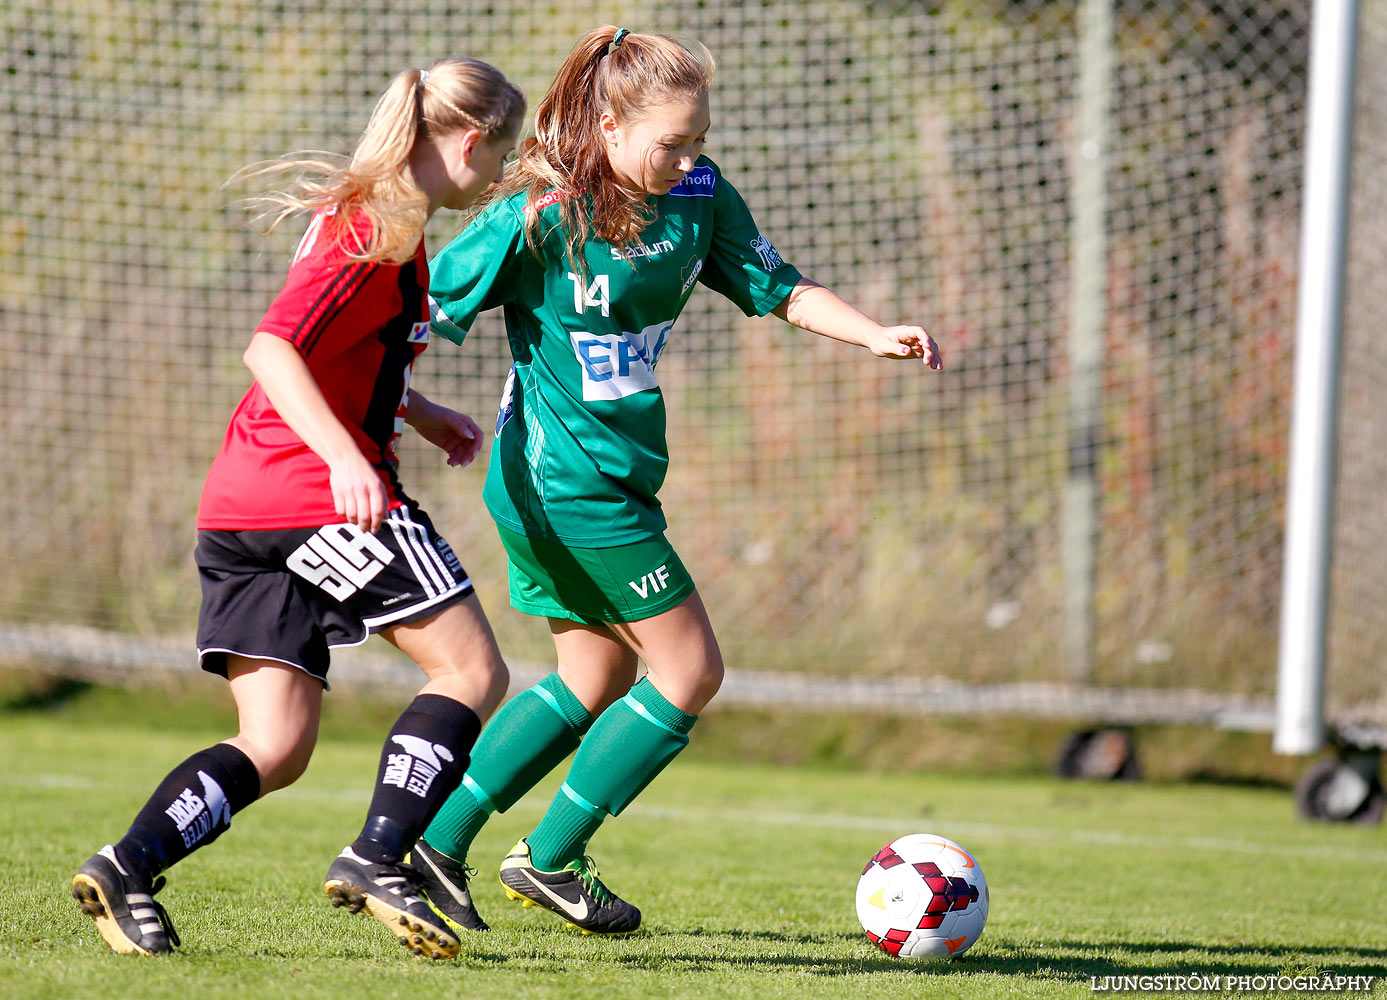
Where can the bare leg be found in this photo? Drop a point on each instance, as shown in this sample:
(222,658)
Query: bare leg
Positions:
(458,652)
(279,707)
(681,653)
(593,663)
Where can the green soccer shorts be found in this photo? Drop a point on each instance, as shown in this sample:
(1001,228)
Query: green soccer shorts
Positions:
(621,583)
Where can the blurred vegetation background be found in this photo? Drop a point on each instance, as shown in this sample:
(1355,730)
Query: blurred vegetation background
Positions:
(842,515)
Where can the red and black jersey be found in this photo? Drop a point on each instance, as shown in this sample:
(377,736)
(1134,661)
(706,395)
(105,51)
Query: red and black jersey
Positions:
(359,326)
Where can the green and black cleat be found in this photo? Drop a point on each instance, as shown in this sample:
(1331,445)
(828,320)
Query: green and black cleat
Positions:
(574,892)
(445,886)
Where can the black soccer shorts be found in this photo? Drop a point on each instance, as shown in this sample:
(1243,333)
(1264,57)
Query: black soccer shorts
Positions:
(292,594)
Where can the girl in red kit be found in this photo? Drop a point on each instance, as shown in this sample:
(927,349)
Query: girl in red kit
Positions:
(306,540)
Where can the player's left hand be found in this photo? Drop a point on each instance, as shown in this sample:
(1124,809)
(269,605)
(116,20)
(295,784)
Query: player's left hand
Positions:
(456,433)
(907,342)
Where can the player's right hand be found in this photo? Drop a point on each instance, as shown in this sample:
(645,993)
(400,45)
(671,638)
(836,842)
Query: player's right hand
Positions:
(908,342)
(358,493)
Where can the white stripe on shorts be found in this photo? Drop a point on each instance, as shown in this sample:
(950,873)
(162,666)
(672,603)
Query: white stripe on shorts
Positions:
(428,555)
(400,528)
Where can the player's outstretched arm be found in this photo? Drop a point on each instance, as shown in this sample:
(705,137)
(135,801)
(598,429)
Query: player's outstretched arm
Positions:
(357,490)
(456,433)
(810,306)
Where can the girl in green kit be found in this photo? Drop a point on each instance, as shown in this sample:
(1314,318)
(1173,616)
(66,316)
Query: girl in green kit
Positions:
(591,247)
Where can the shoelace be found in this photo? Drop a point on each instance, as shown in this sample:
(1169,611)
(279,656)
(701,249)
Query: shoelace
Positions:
(410,878)
(467,871)
(587,874)
(165,921)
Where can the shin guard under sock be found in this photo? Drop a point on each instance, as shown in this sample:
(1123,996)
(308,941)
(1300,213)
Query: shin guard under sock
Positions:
(192,807)
(629,744)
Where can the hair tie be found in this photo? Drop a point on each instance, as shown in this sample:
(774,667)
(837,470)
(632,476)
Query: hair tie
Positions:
(615,43)
(423,77)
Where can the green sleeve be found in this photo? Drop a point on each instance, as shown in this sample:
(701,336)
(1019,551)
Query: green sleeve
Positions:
(479,270)
(742,264)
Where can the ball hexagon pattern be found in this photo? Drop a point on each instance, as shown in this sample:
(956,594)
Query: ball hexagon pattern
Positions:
(922,896)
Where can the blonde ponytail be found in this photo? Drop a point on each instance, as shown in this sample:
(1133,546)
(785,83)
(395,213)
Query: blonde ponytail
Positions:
(452,94)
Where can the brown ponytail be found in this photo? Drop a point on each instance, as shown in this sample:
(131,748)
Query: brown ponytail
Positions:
(567,153)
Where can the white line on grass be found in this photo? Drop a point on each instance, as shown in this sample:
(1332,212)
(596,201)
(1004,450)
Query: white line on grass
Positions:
(1003,831)
(884,825)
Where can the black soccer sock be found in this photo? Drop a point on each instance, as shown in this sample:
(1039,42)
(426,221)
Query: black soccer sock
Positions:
(424,759)
(190,808)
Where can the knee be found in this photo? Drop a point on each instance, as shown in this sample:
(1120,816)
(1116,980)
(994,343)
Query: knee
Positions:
(709,680)
(280,758)
(598,691)
(496,676)
(479,682)
(690,686)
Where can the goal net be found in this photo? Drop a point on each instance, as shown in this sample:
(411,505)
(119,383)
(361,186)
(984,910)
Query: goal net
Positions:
(844,516)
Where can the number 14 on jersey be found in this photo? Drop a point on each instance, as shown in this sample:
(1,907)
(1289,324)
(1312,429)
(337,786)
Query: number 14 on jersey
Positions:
(596,295)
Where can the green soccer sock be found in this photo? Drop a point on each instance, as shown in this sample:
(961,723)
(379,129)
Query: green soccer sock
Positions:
(629,744)
(525,740)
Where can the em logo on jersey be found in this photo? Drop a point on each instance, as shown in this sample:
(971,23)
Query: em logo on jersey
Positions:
(620,364)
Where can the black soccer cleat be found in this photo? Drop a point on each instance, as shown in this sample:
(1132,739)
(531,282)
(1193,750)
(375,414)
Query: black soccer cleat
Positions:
(393,895)
(128,917)
(574,892)
(445,886)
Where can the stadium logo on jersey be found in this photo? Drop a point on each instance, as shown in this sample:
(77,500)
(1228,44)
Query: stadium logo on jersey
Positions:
(642,250)
(415,769)
(620,364)
(419,333)
(690,273)
(770,259)
(697,183)
(197,815)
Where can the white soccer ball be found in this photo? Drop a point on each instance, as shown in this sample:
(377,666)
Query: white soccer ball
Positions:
(922,896)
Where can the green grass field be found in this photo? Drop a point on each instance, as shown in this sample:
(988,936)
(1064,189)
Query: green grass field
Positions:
(745,875)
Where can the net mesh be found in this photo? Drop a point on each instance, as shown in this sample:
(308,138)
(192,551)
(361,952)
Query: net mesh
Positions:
(842,515)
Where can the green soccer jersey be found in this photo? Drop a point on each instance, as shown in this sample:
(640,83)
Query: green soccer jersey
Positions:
(580,448)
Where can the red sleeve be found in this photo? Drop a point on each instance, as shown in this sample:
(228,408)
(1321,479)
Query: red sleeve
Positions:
(320,283)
